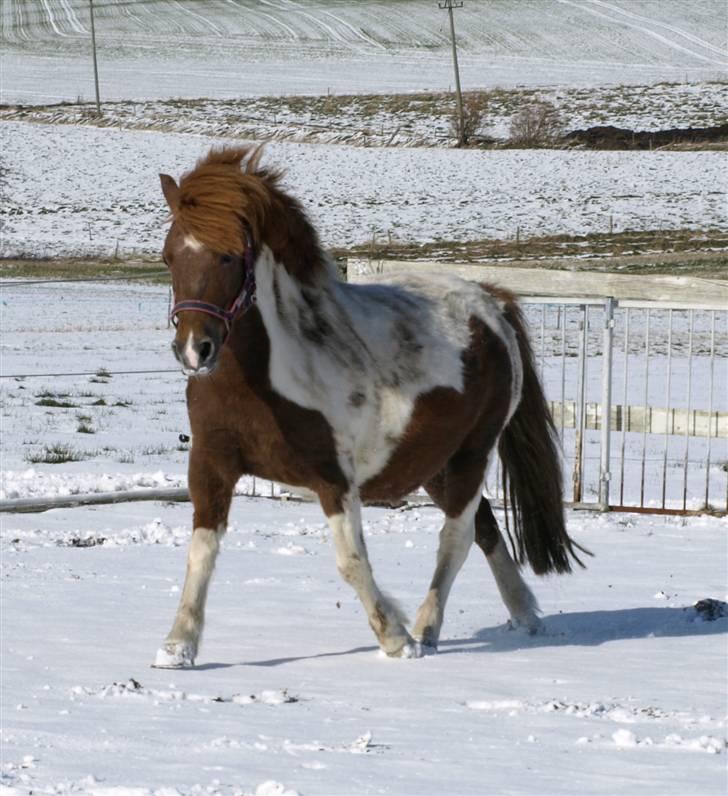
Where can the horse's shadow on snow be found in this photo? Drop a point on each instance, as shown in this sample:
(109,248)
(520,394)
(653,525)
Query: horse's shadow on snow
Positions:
(590,629)
(580,629)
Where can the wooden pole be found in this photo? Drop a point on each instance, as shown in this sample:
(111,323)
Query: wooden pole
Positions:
(450,5)
(96,66)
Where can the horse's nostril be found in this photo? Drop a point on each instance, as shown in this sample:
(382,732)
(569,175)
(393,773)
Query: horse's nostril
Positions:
(205,350)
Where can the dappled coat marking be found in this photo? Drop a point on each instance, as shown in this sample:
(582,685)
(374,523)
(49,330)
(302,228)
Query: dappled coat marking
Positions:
(356,392)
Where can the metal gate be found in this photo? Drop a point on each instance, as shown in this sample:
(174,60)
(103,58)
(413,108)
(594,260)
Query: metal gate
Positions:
(662,372)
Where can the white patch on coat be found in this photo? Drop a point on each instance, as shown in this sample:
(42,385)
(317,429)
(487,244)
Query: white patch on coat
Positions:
(456,539)
(363,354)
(353,564)
(190,355)
(180,646)
(190,242)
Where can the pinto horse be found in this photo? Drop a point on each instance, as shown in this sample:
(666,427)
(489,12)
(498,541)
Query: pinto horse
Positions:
(357,392)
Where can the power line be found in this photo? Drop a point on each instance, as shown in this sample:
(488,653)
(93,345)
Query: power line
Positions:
(128,277)
(100,374)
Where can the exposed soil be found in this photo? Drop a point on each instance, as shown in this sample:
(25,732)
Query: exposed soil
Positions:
(610,137)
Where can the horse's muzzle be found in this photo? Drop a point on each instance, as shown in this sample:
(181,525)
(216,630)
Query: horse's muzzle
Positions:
(198,356)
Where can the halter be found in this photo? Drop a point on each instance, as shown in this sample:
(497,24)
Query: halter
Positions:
(245,299)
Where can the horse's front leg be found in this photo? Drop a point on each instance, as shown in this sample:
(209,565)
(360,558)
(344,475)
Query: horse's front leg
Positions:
(211,492)
(385,617)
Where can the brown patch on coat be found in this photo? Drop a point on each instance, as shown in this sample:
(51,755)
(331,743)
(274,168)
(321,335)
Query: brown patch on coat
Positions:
(487,533)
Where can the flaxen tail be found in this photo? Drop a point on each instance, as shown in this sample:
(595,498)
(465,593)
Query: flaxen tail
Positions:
(532,477)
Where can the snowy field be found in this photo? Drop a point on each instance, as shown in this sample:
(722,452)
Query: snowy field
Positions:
(78,190)
(624,692)
(181,48)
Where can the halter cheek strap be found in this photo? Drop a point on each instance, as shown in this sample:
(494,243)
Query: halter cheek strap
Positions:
(241,303)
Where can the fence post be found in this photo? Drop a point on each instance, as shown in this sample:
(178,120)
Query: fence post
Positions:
(605,446)
(580,408)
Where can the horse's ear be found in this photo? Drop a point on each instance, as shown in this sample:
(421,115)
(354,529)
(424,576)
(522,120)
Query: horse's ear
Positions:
(170,189)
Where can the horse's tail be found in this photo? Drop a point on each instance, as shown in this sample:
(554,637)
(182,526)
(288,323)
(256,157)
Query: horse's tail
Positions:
(532,480)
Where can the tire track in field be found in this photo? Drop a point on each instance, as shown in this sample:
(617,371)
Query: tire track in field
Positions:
(333,34)
(289,30)
(685,34)
(647,31)
(51,19)
(71,18)
(204,20)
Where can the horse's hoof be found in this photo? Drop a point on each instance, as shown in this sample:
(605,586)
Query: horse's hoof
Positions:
(174,655)
(428,647)
(531,625)
(410,649)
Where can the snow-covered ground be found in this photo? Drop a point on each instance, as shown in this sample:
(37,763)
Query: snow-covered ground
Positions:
(624,692)
(181,48)
(76,190)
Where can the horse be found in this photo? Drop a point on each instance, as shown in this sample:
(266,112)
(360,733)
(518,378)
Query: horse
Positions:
(357,392)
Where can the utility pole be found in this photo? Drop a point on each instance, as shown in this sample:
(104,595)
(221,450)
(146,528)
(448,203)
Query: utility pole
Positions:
(96,66)
(450,5)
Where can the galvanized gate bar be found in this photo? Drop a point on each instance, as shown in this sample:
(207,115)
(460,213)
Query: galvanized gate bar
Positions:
(606,437)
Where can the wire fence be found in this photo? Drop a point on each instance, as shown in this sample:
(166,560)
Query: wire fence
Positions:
(638,393)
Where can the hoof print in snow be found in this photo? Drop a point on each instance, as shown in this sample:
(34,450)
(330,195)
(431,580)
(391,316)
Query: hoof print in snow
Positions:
(78,541)
(281,697)
(709,610)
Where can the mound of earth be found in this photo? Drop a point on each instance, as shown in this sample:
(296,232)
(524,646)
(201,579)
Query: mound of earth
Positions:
(610,137)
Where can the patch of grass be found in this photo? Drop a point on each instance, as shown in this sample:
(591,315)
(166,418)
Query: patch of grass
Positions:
(123,404)
(84,425)
(56,454)
(78,268)
(54,402)
(100,402)
(156,450)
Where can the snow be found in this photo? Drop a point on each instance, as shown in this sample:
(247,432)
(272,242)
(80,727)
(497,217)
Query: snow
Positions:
(177,48)
(290,692)
(621,693)
(101,194)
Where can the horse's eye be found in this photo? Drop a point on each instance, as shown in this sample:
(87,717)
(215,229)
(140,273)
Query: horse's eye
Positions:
(227,259)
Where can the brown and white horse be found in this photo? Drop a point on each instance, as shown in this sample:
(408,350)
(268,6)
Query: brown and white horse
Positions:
(357,392)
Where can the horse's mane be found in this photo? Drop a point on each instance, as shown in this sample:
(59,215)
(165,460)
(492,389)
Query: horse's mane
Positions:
(229,194)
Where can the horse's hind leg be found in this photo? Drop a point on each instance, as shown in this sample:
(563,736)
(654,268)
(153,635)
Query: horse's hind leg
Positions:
(211,493)
(518,598)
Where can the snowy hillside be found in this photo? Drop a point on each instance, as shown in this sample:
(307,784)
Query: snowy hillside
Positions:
(193,48)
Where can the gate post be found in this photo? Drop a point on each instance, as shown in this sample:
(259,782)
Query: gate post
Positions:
(606,427)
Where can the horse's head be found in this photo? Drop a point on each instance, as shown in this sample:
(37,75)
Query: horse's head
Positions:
(209,251)
(223,212)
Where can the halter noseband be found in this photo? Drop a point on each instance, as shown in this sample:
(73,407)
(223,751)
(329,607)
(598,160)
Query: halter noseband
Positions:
(243,301)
